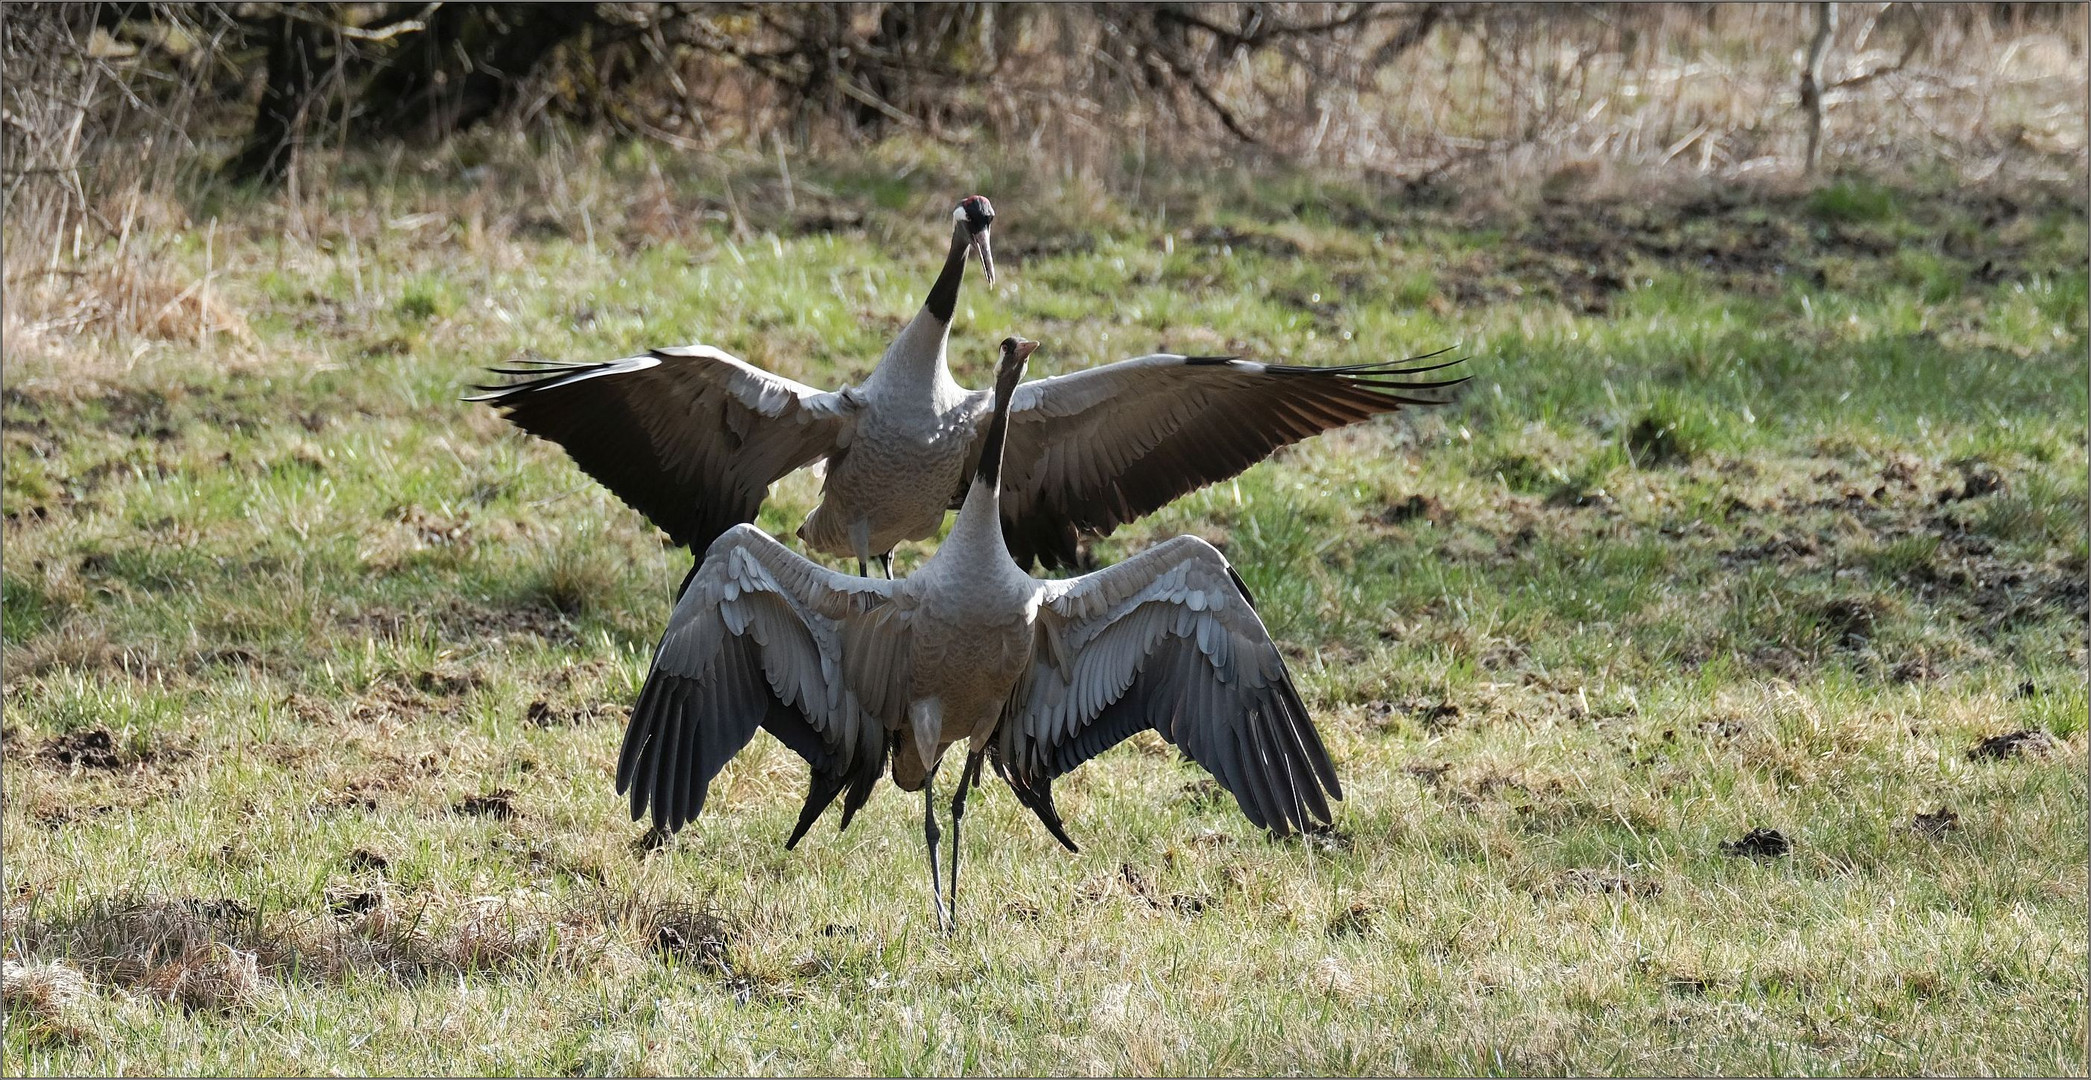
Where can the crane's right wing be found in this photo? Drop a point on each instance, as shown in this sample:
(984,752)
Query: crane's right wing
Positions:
(1092,450)
(1167,640)
(755,640)
(690,436)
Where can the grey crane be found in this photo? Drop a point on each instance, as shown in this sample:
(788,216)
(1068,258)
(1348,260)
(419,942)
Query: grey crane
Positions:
(692,436)
(1039,676)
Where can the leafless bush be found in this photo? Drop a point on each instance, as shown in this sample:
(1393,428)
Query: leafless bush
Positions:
(99,140)
(111,107)
(95,133)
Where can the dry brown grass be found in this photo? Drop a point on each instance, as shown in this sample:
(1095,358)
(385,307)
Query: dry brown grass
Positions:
(223,955)
(132,298)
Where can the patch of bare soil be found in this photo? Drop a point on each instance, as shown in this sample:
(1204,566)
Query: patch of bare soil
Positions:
(1413,508)
(97,750)
(460,621)
(1936,825)
(1204,793)
(2030,742)
(1137,886)
(1977,479)
(1436,716)
(1584,252)
(1966,579)
(1190,905)
(83,749)
(363,860)
(1759,843)
(221,955)
(1849,620)
(1430,776)
(1352,921)
(687,935)
(542,713)
(499,805)
(448,682)
(692,936)
(1654,444)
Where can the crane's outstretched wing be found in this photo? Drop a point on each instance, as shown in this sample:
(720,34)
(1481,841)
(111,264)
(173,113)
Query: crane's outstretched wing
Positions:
(1092,450)
(755,640)
(1167,640)
(690,436)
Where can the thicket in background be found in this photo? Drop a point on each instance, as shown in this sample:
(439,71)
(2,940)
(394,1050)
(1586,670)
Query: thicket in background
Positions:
(111,108)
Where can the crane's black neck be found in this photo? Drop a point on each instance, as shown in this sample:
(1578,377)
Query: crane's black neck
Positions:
(943,296)
(990,469)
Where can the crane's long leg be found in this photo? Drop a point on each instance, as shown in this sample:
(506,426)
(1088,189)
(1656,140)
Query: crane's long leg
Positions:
(966,778)
(886,561)
(860,541)
(929,837)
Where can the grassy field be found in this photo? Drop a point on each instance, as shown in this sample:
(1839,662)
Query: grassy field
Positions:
(1764,509)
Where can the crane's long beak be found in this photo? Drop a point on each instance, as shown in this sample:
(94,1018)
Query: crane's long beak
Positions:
(987,254)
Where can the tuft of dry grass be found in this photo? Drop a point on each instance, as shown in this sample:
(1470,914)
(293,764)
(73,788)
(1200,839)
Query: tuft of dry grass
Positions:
(211,976)
(221,954)
(44,990)
(127,299)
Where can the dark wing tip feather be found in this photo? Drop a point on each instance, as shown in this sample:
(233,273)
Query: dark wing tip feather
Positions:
(1036,793)
(528,380)
(1405,366)
(1242,586)
(822,792)
(1403,384)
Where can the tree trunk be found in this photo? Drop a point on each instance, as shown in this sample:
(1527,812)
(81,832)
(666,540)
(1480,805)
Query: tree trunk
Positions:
(467,64)
(296,34)
(1811,80)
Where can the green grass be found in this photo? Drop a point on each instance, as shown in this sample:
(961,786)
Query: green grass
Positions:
(1762,508)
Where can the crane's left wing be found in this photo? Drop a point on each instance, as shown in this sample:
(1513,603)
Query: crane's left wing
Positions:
(755,640)
(690,436)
